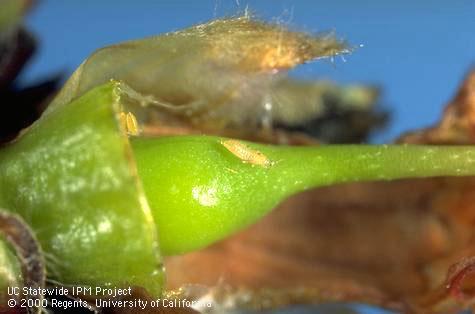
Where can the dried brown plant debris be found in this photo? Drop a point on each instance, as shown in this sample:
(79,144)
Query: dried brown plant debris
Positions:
(18,235)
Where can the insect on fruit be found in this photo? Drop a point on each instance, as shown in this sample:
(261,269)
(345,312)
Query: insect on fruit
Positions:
(129,123)
(247,154)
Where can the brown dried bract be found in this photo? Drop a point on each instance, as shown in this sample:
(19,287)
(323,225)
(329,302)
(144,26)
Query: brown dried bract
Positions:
(457,125)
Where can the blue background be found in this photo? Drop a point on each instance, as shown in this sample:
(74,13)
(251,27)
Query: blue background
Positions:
(417,51)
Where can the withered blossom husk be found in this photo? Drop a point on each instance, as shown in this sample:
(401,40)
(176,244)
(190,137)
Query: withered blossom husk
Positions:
(227,75)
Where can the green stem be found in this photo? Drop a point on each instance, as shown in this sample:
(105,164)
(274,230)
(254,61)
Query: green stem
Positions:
(332,164)
(72,176)
(200,190)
